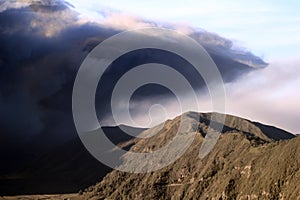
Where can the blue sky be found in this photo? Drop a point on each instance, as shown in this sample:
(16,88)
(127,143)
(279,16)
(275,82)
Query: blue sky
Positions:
(270,29)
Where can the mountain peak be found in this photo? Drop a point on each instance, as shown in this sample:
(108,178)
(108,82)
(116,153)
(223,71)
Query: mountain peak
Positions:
(199,123)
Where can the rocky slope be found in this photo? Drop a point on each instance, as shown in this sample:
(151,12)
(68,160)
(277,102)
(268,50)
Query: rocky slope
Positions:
(249,161)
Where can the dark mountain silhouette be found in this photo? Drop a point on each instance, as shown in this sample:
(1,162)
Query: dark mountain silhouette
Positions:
(66,168)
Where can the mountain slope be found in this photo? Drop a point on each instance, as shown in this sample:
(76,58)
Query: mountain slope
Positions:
(246,163)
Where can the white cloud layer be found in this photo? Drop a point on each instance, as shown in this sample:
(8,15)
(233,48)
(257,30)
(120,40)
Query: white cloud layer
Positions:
(270,96)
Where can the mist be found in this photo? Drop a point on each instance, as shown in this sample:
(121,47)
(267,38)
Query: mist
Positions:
(268,95)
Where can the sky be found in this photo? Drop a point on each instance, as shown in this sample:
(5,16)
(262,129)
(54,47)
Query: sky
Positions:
(269,29)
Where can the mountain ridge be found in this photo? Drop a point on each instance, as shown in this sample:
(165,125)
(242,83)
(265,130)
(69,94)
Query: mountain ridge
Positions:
(240,166)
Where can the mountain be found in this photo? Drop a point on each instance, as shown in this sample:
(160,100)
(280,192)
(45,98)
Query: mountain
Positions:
(249,161)
(47,40)
(66,168)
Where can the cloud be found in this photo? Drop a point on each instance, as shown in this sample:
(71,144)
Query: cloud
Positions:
(122,21)
(213,43)
(42,48)
(264,26)
(42,18)
(13,4)
(39,55)
(268,95)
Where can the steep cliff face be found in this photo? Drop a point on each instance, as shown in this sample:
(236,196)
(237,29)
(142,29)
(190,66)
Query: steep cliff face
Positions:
(246,163)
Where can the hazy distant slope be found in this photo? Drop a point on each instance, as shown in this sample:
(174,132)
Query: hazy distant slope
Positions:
(265,132)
